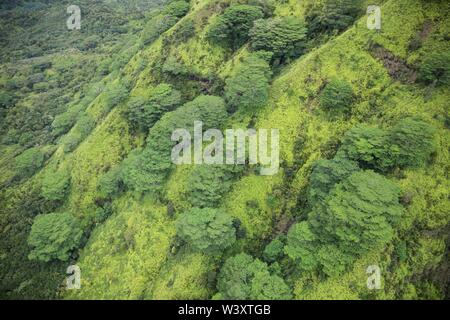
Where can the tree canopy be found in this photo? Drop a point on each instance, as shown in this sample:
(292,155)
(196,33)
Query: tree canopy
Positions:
(55,185)
(337,95)
(248,87)
(28,162)
(232,27)
(207,230)
(242,277)
(143,113)
(283,36)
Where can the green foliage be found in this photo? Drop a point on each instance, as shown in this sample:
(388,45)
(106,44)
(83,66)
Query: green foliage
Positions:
(408,144)
(331,16)
(242,278)
(412,142)
(174,68)
(183,31)
(207,230)
(177,8)
(147,170)
(249,85)
(115,94)
(337,95)
(301,246)
(274,250)
(143,113)
(232,27)
(359,213)
(324,176)
(156,26)
(55,185)
(54,236)
(28,162)
(81,130)
(110,183)
(64,121)
(435,69)
(283,36)
(366,145)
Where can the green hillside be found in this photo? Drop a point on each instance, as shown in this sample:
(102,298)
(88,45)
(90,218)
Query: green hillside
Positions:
(363,119)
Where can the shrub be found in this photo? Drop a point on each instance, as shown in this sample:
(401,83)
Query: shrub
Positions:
(337,94)
(28,162)
(435,69)
(156,26)
(63,122)
(330,16)
(207,230)
(412,142)
(359,213)
(184,31)
(232,27)
(53,236)
(207,184)
(243,277)
(284,37)
(143,113)
(177,9)
(274,250)
(115,94)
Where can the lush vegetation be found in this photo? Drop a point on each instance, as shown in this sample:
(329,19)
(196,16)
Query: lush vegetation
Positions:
(86,124)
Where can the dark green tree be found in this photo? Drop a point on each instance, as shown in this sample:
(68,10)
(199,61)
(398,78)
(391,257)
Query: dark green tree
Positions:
(177,8)
(54,236)
(207,230)
(242,277)
(143,113)
(248,87)
(110,183)
(332,16)
(412,142)
(435,69)
(325,174)
(368,146)
(302,246)
(28,162)
(207,184)
(274,250)
(156,26)
(359,213)
(232,27)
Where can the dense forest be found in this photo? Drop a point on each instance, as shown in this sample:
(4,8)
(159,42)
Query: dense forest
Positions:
(86,123)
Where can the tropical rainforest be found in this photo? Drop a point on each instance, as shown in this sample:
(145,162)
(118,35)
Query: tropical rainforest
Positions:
(86,177)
